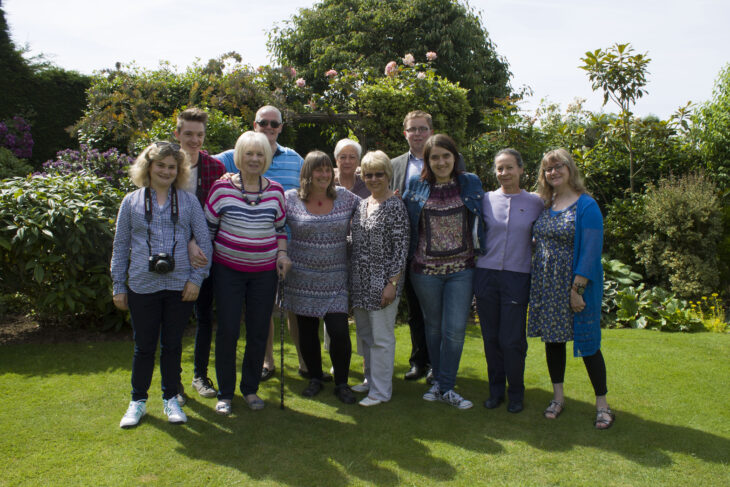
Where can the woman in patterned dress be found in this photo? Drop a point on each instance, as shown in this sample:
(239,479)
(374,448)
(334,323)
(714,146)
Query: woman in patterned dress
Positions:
(447,233)
(379,250)
(567,280)
(318,215)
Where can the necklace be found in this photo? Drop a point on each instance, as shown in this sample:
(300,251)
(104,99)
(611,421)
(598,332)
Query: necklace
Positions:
(245,193)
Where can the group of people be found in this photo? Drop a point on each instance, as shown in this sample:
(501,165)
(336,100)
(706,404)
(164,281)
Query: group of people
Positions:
(241,227)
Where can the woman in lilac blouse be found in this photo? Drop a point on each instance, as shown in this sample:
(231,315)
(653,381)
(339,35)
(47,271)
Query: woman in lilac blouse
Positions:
(502,280)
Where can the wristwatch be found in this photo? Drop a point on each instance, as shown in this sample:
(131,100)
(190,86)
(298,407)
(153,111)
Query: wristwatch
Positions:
(579,288)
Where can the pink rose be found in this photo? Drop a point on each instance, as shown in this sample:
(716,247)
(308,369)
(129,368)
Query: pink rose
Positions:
(300,82)
(431,56)
(331,73)
(390,68)
(409,60)
(421,75)
(293,72)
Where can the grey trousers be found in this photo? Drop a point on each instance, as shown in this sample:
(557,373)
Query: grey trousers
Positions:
(375,332)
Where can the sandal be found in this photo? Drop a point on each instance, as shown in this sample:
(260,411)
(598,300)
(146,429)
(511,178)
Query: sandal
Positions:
(555,409)
(601,423)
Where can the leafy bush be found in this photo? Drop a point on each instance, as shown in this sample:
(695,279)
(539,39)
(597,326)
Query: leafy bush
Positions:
(110,165)
(15,135)
(56,236)
(221,131)
(654,308)
(711,311)
(11,166)
(622,227)
(617,277)
(682,223)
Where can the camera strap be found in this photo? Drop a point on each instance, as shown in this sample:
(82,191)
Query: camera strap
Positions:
(199,182)
(174,215)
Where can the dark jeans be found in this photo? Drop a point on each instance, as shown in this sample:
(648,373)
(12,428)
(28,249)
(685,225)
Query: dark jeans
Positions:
(340,345)
(204,331)
(595,366)
(419,349)
(502,298)
(161,315)
(233,289)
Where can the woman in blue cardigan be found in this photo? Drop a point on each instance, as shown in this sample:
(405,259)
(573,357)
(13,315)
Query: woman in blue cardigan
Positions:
(567,280)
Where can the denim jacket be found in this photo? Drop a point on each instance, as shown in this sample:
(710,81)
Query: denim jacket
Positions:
(471,194)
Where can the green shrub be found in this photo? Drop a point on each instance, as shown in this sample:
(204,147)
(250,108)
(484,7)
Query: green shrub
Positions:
(682,222)
(11,166)
(654,308)
(56,236)
(617,277)
(221,133)
(622,225)
(110,165)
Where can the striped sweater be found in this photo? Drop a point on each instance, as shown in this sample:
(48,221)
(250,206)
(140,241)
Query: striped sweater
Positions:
(245,236)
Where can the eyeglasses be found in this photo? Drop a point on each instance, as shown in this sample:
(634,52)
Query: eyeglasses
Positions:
(373,175)
(556,167)
(420,130)
(172,145)
(265,123)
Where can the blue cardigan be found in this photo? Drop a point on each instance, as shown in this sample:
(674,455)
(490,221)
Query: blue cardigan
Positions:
(587,248)
(471,193)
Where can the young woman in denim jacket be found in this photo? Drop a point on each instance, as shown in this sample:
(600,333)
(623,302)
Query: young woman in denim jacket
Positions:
(447,233)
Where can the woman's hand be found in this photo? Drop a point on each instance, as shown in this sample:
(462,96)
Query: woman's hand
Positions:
(196,255)
(190,292)
(120,301)
(283,264)
(227,176)
(388,295)
(576,301)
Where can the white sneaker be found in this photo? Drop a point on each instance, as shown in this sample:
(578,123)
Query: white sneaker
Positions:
(223,407)
(364,387)
(134,413)
(433,393)
(368,401)
(454,399)
(175,415)
(204,386)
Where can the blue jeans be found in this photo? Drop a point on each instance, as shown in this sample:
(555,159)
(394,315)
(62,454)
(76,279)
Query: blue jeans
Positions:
(445,302)
(233,289)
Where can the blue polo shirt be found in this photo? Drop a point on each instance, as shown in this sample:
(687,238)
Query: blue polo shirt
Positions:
(285,166)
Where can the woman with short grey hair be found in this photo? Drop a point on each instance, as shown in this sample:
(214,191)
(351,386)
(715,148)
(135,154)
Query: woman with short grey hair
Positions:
(347,157)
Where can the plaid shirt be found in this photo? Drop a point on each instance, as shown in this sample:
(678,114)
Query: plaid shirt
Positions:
(211,171)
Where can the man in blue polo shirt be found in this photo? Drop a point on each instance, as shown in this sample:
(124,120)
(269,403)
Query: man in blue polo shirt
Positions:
(285,167)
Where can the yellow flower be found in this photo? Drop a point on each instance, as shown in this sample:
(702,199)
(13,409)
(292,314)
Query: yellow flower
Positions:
(714,295)
(704,298)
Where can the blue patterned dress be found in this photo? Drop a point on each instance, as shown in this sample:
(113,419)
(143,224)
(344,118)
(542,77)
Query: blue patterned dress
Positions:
(317,282)
(550,316)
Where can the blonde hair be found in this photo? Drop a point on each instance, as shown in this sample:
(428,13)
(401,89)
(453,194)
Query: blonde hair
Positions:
(139,173)
(374,160)
(252,140)
(315,160)
(575,180)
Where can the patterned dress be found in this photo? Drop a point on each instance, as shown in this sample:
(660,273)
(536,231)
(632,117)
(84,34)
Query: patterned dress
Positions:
(317,282)
(550,316)
(379,251)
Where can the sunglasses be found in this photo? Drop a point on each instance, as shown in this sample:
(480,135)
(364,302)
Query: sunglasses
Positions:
(172,145)
(265,123)
(165,148)
(373,175)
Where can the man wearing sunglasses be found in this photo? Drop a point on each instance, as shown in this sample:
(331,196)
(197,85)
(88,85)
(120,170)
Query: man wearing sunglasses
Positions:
(285,168)
(417,128)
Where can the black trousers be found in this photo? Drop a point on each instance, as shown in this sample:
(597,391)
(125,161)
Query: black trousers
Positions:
(595,365)
(340,345)
(419,350)
(502,298)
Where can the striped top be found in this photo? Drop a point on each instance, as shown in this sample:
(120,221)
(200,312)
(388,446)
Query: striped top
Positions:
(245,236)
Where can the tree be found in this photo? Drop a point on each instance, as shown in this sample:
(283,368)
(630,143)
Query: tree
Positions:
(622,77)
(367,34)
(712,131)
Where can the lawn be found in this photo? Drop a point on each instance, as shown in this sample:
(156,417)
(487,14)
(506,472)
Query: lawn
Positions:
(60,406)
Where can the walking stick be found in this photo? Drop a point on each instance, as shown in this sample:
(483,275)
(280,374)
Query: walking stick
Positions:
(280,297)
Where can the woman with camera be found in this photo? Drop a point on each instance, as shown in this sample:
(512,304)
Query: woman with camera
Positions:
(151,270)
(246,217)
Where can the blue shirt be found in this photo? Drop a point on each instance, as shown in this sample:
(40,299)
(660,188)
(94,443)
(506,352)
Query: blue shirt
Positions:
(285,166)
(130,258)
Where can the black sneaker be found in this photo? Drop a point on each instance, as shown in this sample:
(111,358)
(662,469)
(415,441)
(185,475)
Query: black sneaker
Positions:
(344,394)
(315,385)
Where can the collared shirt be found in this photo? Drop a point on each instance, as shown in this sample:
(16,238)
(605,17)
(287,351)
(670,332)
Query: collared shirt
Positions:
(415,166)
(209,170)
(130,257)
(509,219)
(285,166)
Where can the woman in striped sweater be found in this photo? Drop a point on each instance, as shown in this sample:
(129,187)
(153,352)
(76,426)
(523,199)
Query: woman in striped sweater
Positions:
(246,217)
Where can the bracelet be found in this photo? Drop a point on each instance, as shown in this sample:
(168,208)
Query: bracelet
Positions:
(282,250)
(579,288)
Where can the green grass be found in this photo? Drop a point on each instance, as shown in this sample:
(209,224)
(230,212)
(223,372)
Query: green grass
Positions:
(60,406)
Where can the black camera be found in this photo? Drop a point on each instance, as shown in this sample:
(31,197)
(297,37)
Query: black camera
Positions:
(161,263)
